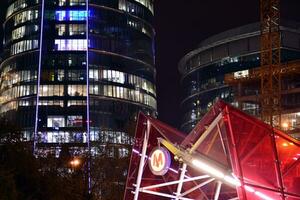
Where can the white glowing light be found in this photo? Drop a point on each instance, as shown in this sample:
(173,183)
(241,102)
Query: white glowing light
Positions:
(232,181)
(263,196)
(249,189)
(205,167)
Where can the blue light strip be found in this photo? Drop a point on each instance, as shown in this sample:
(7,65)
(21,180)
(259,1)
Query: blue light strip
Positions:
(88,97)
(70,15)
(38,80)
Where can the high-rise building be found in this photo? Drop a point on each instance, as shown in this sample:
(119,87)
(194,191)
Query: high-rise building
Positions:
(76,72)
(236,51)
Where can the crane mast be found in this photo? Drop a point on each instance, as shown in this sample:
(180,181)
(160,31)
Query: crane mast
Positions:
(270,62)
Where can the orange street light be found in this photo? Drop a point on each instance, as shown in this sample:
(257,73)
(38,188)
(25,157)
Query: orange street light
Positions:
(75,162)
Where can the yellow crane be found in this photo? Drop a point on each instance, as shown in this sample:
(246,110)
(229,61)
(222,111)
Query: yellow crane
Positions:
(270,61)
(271,70)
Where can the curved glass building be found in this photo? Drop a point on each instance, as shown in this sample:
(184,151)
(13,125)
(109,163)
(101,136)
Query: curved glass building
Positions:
(234,51)
(76,72)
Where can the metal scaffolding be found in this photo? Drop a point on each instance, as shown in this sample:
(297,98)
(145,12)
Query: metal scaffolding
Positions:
(228,155)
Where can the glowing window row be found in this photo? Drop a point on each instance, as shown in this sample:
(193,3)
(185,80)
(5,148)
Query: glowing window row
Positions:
(59,121)
(147,3)
(58,90)
(24,45)
(13,105)
(23,30)
(8,79)
(61,103)
(123,78)
(123,93)
(70,15)
(61,137)
(9,106)
(71,45)
(140,26)
(72,2)
(50,103)
(112,137)
(25,16)
(18,5)
(16,92)
(79,90)
(70,29)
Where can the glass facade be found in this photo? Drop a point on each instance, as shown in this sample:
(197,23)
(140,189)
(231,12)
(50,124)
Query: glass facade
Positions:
(234,51)
(85,79)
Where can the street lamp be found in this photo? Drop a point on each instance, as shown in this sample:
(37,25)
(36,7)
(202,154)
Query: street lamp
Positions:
(75,162)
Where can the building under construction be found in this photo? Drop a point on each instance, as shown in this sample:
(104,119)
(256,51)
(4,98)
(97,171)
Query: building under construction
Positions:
(235,54)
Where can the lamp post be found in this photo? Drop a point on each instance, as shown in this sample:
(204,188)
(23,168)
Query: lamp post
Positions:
(75,162)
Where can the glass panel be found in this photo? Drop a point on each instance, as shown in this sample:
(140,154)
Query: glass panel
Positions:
(55,121)
(74,121)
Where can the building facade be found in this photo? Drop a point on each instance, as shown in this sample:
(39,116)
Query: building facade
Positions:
(235,52)
(76,72)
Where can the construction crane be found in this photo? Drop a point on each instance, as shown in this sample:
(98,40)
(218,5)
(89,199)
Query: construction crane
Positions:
(270,70)
(270,61)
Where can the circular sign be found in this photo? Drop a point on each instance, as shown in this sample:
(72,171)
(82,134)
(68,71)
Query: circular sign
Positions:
(159,161)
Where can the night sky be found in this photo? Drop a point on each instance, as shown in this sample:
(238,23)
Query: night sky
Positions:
(180,26)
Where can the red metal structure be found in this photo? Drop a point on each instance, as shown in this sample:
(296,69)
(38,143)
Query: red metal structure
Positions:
(228,155)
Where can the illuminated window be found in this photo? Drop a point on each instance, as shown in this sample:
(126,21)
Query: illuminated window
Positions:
(51,90)
(77,90)
(93,74)
(61,29)
(77,29)
(55,121)
(94,89)
(76,15)
(76,103)
(147,3)
(62,2)
(113,76)
(24,103)
(25,16)
(123,152)
(70,15)
(55,137)
(121,77)
(77,2)
(140,26)
(126,93)
(9,106)
(51,103)
(17,5)
(60,75)
(241,74)
(71,45)
(60,15)
(24,45)
(18,33)
(74,121)
(76,75)
(23,30)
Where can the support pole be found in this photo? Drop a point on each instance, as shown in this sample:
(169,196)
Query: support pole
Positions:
(142,162)
(36,124)
(179,186)
(218,190)
(88,99)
